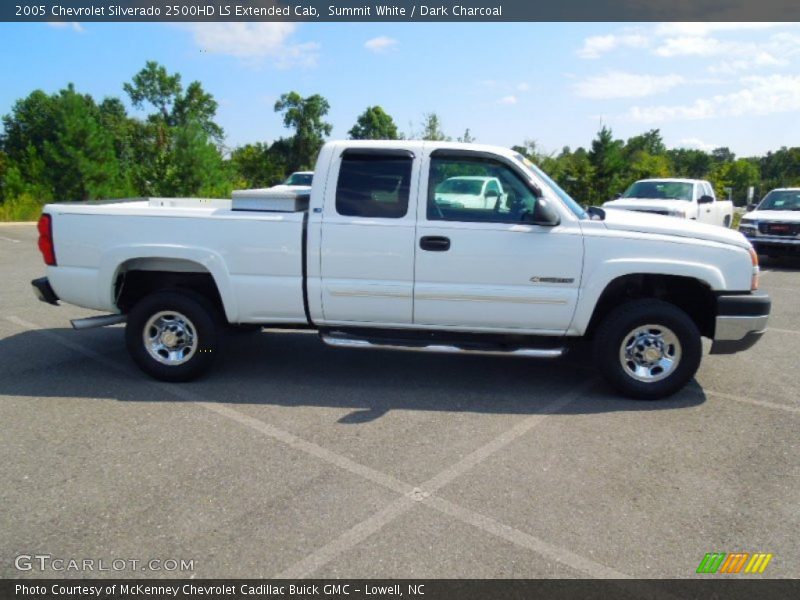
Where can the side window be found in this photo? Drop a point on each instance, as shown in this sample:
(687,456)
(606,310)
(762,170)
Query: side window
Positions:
(477,190)
(374,186)
(708,190)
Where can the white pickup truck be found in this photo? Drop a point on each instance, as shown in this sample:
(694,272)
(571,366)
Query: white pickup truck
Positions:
(773,226)
(683,198)
(370,259)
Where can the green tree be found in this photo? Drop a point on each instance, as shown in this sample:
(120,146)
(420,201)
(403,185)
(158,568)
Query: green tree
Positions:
(432,129)
(196,168)
(688,162)
(650,142)
(530,150)
(608,159)
(737,175)
(467,138)
(780,168)
(59,148)
(258,165)
(722,155)
(172,148)
(305,116)
(374,124)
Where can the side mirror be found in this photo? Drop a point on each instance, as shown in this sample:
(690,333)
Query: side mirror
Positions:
(706,199)
(544,214)
(617,196)
(750,207)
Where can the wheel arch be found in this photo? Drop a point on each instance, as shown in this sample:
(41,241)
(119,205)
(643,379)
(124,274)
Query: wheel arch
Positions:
(694,296)
(129,274)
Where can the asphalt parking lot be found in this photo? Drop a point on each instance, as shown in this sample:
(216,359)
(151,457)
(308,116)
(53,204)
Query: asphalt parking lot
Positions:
(297,460)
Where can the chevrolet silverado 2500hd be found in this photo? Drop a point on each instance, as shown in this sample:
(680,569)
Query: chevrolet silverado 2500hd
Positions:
(371,259)
(692,199)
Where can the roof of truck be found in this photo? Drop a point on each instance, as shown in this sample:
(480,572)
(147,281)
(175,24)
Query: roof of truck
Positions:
(673,180)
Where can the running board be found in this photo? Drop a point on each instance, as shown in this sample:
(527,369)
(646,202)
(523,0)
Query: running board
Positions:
(338,342)
(99,321)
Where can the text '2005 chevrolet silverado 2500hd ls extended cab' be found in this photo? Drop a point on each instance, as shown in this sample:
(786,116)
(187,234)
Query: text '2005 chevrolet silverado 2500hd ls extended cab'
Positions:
(373,257)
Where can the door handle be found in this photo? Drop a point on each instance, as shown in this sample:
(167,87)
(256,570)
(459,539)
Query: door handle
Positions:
(435,243)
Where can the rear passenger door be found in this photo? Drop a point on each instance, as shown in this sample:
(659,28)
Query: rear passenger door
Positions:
(367,237)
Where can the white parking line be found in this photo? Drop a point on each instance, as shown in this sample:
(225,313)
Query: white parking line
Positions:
(524,540)
(348,540)
(795,332)
(411,495)
(8,239)
(753,401)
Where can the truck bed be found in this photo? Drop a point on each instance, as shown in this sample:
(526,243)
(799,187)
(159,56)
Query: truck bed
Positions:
(252,255)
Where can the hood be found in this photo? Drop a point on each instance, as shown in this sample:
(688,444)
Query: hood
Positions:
(643,204)
(625,220)
(790,216)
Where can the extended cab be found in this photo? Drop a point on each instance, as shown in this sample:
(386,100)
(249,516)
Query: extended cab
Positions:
(773,226)
(372,259)
(683,198)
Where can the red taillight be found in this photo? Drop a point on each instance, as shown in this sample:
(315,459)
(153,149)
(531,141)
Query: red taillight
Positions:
(46,247)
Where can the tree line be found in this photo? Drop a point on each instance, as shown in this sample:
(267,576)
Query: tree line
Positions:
(66,146)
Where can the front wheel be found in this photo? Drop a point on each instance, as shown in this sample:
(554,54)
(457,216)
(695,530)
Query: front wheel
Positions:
(172,336)
(648,349)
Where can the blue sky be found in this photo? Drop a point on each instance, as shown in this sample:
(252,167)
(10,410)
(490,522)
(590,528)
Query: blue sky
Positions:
(703,84)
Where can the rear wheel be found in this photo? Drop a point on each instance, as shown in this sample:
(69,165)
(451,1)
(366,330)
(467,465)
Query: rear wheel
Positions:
(648,349)
(172,336)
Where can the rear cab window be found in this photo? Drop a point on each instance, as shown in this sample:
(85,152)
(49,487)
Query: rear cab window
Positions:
(374,184)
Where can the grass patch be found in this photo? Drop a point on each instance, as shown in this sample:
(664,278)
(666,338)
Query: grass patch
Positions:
(21,208)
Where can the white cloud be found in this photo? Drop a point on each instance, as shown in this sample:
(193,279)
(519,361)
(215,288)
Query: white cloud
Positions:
(74,25)
(696,144)
(704,29)
(254,41)
(597,45)
(523,87)
(759,96)
(511,99)
(617,84)
(690,46)
(380,44)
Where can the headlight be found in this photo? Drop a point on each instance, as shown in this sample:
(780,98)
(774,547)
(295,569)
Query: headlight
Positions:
(748,227)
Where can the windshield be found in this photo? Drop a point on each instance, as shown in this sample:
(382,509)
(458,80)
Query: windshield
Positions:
(781,200)
(471,187)
(299,179)
(660,190)
(576,208)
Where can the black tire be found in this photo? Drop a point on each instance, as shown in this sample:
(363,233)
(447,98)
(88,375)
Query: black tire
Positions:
(621,322)
(201,320)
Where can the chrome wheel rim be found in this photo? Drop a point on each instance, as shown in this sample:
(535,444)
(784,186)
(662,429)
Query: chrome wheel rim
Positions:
(650,353)
(170,338)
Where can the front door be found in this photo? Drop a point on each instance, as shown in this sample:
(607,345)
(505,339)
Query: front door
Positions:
(489,269)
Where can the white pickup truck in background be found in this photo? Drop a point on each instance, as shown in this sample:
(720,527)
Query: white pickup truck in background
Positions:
(773,226)
(372,259)
(683,198)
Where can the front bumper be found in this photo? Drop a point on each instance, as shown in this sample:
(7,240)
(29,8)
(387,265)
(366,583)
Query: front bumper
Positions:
(765,244)
(43,291)
(741,321)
